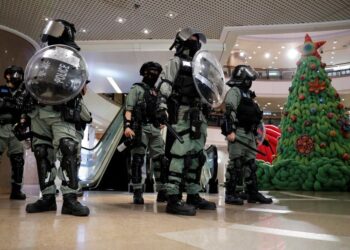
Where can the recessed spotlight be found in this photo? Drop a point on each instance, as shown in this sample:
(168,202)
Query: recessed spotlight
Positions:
(281,108)
(343,99)
(332,57)
(282,47)
(171,14)
(146,31)
(267,55)
(331,62)
(259,47)
(83,30)
(269,103)
(278,105)
(292,53)
(332,52)
(273,62)
(334,48)
(276,57)
(335,41)
(241,54)
(254,52)
(46,19)
(120,19)
(236,45)
(279,52)
(5,51)
(249,57)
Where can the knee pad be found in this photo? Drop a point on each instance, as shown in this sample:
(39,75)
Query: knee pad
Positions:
(68,147)
(44,166)
(40,151)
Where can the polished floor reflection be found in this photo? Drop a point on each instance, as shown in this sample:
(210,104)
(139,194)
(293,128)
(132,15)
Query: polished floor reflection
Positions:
(296,220)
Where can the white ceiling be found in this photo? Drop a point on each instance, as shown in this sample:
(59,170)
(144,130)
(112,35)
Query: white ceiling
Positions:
(335,51)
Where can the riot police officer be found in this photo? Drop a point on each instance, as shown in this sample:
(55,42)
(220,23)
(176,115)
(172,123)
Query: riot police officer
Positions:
(57,132)
(140,125)
(10,111)
(180,100)
(243,116)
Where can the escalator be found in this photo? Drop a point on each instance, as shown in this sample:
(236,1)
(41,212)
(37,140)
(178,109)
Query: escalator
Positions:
(96,160)
(104,168)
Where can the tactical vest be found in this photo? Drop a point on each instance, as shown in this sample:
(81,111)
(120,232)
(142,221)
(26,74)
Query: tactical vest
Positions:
(8,113)
(249,114)
(148,105)
(183,87)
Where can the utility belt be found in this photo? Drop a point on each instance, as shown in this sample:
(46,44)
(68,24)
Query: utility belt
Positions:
(248,128)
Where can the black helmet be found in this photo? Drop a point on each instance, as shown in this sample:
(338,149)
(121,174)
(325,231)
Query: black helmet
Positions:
(182,41)
(242,75)
(16,75)
(149,66)
(59,31)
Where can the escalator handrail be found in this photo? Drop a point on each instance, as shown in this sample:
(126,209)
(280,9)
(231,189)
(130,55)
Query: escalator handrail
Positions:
(105,134)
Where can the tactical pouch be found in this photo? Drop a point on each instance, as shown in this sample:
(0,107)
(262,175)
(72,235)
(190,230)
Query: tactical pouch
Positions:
(195,123)
(173,110)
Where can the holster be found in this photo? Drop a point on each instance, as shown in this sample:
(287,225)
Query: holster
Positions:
(195,123)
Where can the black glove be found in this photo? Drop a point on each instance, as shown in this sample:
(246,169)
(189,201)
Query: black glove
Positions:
(162,116)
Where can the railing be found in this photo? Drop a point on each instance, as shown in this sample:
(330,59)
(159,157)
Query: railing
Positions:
(287,74)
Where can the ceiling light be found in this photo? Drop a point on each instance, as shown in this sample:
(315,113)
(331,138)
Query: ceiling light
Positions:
(343,99)
(282,47)
(114,84)
(250,57)
(273,62)
(281,108)
(254,52)
(5,51)
(331,62)
(236,45)
(171,14)
(269,103)
(46,19)
(146,31)
(276,57)
(241,54)
(83,30)
(270,67)
(278,105)
(259,47)
(332,57)
(292,53)
(334,48)
(335,41)
(279,52)
(267,55)
(333,53)
(120,19)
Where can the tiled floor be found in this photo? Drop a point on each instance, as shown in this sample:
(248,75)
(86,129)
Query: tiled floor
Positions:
(296,220)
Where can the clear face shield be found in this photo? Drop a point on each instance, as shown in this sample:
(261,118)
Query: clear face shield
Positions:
(53,28)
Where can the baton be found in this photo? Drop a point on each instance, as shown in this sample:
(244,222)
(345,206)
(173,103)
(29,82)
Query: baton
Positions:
(173,132)
(248,146)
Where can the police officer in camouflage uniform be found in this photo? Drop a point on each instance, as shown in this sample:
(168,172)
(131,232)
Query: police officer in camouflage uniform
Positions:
(57,131)
(243,115)
(9,114)
(180,99)
(141,124)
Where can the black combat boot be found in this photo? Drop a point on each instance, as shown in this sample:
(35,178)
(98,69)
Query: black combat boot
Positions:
(162,196)
(198,202)
(72,206)
(233,199)
(177,206)
(243,195)
(46,203)
(258,198)
(138,199)
(16,193)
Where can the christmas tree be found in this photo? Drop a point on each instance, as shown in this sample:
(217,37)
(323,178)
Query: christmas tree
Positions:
(314,149)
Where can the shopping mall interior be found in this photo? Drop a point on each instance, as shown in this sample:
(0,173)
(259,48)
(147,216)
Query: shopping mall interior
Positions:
(116,37)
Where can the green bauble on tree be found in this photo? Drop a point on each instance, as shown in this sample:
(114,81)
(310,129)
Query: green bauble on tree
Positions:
(314,148)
